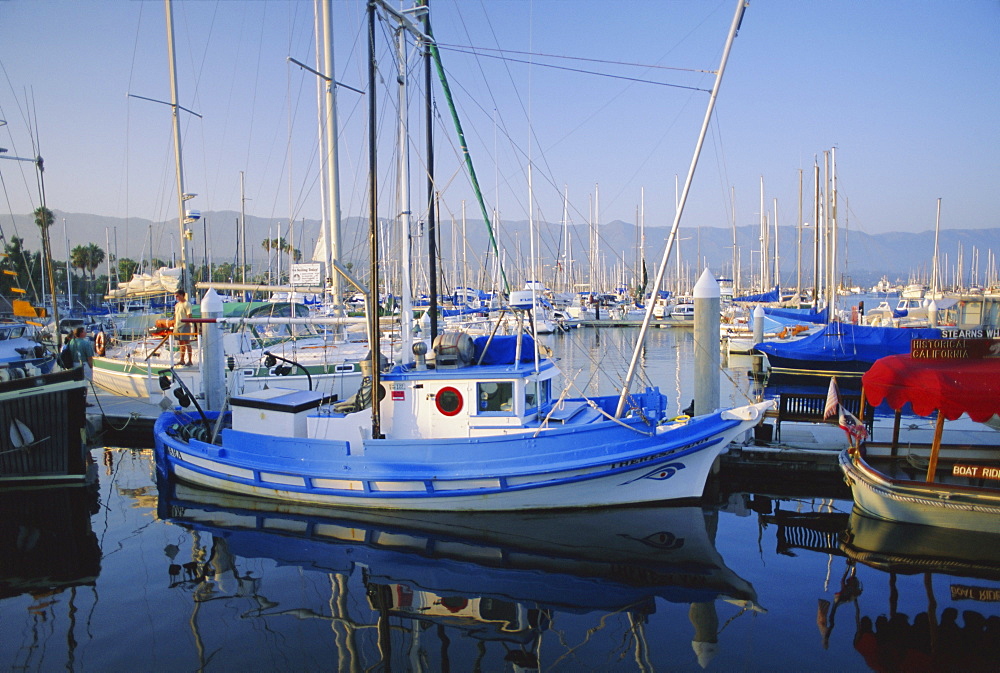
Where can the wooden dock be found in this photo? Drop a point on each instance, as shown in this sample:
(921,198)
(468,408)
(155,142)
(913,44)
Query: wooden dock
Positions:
(115,420)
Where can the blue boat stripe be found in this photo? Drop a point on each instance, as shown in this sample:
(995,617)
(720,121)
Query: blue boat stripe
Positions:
(430,491)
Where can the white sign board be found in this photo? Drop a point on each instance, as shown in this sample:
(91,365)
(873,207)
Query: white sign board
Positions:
(307,274)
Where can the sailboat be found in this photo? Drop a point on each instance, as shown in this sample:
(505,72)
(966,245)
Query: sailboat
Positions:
(267,343)
(484,427)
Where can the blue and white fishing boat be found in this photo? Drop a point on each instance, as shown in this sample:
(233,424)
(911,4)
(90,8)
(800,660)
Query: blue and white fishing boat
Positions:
(485,429)
(474,425)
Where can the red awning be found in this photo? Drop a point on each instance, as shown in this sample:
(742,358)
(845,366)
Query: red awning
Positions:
(953,387)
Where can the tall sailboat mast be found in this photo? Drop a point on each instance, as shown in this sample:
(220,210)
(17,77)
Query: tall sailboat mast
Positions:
(816,232)
(182,219)
(373,298)
(741,6)
(935,271)
(406,307)
(332,161)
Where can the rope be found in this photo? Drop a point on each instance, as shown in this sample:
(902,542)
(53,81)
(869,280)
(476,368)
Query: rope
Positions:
(104,416)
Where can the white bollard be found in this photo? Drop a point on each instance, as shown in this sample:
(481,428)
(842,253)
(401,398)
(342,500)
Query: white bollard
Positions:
(707,356)
(213,356)
(758,325)
(932,309)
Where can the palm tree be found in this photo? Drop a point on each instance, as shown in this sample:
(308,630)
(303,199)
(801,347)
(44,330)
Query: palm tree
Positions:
(126,268)
(95,258)
(44,218)
(79,257)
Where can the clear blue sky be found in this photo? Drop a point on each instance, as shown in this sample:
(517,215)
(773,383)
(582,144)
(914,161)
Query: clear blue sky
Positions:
(906,91)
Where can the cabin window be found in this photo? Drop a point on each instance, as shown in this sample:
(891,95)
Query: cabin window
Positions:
(543,388)
(448,401)
(495,397)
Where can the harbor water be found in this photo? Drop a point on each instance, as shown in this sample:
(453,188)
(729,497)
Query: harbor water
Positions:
(140,575)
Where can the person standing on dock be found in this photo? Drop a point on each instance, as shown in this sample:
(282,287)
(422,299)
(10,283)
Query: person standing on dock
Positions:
(182,310)
(83,355)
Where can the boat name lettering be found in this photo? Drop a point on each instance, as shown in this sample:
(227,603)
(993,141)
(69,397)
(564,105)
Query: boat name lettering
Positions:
(984,594)
(954,349)
(974,333)
(636,461)
(975,471)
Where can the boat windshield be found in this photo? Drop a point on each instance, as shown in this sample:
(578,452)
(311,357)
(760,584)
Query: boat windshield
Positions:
(495,396)
(543,389)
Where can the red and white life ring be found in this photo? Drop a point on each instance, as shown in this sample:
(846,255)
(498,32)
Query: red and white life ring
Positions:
(100,346)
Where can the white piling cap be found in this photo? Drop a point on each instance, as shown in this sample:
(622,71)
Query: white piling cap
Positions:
(707,287)
(758,312)
(932,306)
(211,303)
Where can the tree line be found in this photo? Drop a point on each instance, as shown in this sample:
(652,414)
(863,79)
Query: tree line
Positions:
(24,275)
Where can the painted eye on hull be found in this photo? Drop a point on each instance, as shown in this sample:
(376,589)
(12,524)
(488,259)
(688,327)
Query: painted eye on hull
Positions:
(665,471)
(663,540)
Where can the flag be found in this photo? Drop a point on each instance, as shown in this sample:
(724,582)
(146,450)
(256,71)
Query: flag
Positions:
(832,399)
(854,428)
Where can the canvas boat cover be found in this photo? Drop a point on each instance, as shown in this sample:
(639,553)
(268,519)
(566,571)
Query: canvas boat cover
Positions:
(772,296)
(953,387)
(164,280)
(502,349)
(799,314)
(841,342)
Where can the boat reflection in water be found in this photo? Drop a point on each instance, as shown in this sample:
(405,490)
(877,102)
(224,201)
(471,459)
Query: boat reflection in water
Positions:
(47,550)
(46,541)
(924,626)
(435,582)
(934,639)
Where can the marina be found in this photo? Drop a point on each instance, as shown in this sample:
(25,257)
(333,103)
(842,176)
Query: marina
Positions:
(407,421)
(194,578)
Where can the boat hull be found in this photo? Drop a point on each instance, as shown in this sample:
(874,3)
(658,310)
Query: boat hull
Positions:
(141,381)
(46,417)
(931,504)
(600,464)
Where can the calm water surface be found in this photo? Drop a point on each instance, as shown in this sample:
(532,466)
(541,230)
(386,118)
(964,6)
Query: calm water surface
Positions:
(142,576)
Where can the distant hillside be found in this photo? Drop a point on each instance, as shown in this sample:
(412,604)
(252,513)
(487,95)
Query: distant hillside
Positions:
(865,257)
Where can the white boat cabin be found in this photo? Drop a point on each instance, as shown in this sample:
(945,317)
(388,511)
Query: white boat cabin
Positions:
(457,398)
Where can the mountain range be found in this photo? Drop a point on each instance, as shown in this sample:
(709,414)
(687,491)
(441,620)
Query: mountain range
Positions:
(864,258)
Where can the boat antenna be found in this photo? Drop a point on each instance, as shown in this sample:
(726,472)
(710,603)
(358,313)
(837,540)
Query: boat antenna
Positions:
(741,6)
